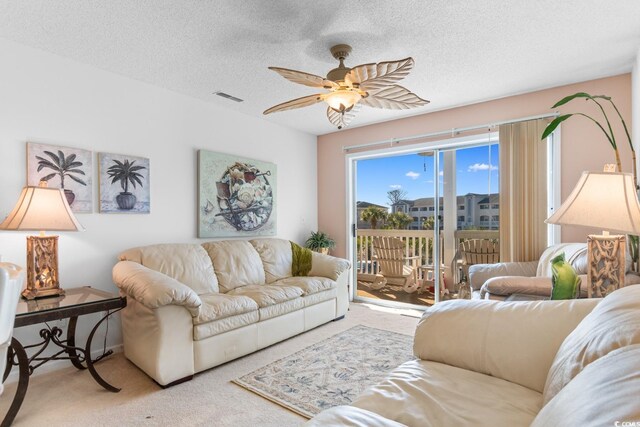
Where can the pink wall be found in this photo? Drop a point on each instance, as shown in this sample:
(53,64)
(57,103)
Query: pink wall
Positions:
(584,147)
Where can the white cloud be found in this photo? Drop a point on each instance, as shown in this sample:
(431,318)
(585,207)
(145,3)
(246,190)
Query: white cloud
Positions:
(395,186)
(481,167)
(412,174)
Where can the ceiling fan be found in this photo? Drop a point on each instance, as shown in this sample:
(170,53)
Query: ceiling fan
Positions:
(372,85)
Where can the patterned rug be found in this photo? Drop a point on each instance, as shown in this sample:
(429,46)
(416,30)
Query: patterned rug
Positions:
(332,372)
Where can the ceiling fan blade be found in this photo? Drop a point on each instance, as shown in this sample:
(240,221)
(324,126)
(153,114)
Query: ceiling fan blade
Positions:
(306,79)
(373,77)
(305,101)
(342,120)
(394,97)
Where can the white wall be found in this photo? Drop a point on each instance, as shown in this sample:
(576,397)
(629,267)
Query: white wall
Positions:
(50,99)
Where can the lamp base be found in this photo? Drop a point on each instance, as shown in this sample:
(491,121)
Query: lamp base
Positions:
(42,267)
(606,264)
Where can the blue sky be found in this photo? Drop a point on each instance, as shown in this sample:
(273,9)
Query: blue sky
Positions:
(377,176)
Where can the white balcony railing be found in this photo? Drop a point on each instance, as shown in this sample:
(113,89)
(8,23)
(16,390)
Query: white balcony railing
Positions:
(417,243)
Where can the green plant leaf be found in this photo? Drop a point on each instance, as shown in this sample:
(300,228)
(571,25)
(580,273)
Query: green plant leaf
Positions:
(571,98)
(48,177)
(61,158)
(553,125)
(79,171)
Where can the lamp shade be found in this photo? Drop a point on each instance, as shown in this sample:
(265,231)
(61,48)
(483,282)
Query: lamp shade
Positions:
(606,200)
(41,209)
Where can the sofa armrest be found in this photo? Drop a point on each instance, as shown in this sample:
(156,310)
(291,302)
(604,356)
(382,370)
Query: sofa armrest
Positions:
(480,273)
(327,266)
(154,289)
(515,341)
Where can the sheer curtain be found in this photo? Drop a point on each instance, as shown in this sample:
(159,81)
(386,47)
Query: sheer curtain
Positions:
(523,191)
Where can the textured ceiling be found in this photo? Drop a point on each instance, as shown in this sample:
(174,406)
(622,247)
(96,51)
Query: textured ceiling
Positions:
(465,51)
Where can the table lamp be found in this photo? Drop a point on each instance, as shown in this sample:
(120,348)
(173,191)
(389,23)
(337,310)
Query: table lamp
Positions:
(41,208)
(606,200)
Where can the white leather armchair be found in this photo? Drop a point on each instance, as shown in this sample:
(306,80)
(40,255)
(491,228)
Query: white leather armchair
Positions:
(11,280)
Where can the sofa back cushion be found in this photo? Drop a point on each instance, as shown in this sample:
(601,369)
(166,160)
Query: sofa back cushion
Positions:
(613,324)
(236,263)
(605,393)
(187,263)
(514,341)
(574,253)
(276,258)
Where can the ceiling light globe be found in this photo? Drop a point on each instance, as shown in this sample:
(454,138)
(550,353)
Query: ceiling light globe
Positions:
(341,100)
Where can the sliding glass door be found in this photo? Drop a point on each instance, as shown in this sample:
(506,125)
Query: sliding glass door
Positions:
(410,212)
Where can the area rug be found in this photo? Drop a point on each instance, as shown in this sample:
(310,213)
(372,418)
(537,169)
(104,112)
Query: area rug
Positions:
(332,372)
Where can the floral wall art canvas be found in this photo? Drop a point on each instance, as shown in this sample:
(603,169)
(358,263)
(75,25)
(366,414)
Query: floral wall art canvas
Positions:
(124,184)
(63,167)
(236,197)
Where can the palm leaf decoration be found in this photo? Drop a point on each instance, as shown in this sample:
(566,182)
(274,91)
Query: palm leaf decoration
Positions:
(608,132)
(62,166)
(126,173)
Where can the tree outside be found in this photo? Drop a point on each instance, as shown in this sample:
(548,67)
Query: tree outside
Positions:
(374,215)
(396,195)
(398,221)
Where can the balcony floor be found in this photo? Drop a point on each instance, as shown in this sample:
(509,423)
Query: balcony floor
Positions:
(394,293)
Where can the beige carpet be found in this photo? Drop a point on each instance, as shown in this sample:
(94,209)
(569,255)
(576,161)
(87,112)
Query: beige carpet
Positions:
(71,398)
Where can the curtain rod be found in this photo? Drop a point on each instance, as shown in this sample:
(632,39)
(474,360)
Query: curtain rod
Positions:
(452,132)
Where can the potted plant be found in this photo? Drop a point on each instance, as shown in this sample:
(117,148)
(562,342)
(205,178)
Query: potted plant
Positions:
(63,167)
(608,131)
(320,242)
(126,173)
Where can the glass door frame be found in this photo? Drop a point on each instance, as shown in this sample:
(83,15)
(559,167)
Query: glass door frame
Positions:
(437,146)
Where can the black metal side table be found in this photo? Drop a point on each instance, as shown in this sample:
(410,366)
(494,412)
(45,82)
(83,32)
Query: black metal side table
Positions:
(76,302)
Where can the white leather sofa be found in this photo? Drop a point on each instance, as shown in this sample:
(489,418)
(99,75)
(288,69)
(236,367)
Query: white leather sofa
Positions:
(491,363)
(191,307)
(499,281)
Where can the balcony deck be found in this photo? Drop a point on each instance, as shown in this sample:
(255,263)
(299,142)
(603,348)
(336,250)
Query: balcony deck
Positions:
(418,243)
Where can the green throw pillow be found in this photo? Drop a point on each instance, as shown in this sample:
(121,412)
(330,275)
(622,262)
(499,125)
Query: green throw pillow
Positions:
(565,280)
(301,260)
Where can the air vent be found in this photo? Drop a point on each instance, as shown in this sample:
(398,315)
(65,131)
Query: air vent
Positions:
(227,96)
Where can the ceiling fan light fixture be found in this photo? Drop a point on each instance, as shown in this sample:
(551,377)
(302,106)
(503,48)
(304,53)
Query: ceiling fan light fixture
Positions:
(342,99)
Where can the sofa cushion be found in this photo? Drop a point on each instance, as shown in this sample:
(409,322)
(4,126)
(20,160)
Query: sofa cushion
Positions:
(218,306)
(309,285)
(319,297)
(614,323)
(483,336)
(424,393)
(236,263)
(349,416)
(266,295)
(187,263)
(276,257)
(575,254)
(216,327)
(605,393)
(279,309)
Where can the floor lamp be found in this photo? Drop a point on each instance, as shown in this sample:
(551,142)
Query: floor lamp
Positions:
(608,201)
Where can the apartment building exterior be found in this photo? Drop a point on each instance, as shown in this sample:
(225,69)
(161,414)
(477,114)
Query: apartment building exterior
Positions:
(478,211)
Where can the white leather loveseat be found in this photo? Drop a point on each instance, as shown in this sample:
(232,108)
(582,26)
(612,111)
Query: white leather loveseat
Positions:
(492,363)
(191,307)
(499,281)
